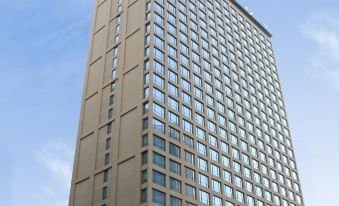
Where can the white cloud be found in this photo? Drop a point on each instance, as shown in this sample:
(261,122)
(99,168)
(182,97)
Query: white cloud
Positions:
(57,159)
(323,30)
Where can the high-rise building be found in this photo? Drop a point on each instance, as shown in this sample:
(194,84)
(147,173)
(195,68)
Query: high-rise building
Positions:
(182,106)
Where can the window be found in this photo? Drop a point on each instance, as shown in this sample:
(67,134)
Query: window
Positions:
(214,155)
(144,140)
(145,124)
(174,150)
(145,108)
(204,197)
(158,160)
(159,54)
(110,113)
(108,143)
(216,186)
(227,176)
(238,181)
(159,178)
(173,89)
(158,126)
(186,98)
(172,39)
(202,149)
(175,185)
(239,196)
(189,174)
(258,191)
(158,18)
(173,104)
(109,128)
(174,134)
(158,30)
(158,42)
(159,81)
(188,141)
(186,85)
(217,201)
(198,92)
(188,127)
(172,51)
(104,193)
(105,175)
(107,159)
(215,170)
(174,167)
(159,197)
(147,49)
(199,119)
(158,142)
(202,164)
(172,76)
(190,191)
(236,167)
(175,201)
(200,133)
(146,92)
(143,195)
(249,186)
(229,203)
(144,176)
(213,141)
(171,8)
(144,158)
(158,95)
(228,191)
(189,158)
(173,118)
(158,110)
(159,67)
(186,111)
(203,180)
(224,147)
(114,73)
(158,8)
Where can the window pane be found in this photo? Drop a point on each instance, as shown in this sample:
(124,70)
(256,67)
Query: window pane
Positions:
(174,150)
(175,201)
(175,167)
(159,160)
(158,178)
(175,185)
(158,197)
(204,197)
(158,142)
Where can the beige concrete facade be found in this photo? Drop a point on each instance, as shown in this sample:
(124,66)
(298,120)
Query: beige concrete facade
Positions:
(182,106)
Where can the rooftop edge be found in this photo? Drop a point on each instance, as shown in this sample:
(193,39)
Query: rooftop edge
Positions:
(256,22)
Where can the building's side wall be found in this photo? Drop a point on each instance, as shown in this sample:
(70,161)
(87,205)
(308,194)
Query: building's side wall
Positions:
(111,121)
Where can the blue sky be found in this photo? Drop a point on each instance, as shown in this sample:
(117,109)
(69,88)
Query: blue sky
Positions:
(42,62)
